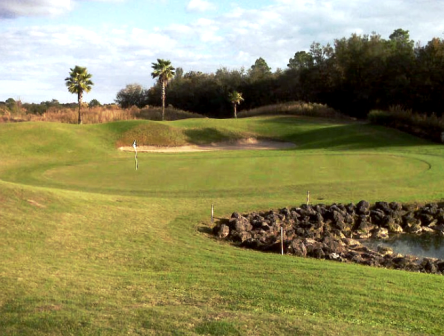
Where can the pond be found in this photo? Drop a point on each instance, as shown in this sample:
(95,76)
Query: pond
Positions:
(423,246)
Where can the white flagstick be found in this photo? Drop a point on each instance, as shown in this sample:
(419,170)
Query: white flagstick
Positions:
(135,158)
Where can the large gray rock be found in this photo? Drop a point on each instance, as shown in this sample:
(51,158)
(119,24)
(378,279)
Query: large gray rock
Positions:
(363,208)
(384,250)
(395,228)
(222,231)
(380,233)
(297,248)
(321,231)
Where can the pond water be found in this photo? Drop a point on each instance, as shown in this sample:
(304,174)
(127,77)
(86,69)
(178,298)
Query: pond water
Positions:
(425,245)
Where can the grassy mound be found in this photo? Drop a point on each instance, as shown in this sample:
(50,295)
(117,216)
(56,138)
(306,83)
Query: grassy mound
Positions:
(153,134)
(166,135)
(91,246)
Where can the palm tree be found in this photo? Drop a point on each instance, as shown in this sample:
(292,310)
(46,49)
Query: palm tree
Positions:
(164,71)
(236,98)
(79,81)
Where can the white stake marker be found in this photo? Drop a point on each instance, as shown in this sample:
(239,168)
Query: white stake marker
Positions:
(282,240)
(135,158)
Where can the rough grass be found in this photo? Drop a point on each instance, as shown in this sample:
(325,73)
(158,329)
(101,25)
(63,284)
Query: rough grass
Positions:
(294,108)
(99,114)
(105,250)
(171,113)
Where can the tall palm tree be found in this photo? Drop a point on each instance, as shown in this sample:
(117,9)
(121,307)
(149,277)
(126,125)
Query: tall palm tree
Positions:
(164,71)
(236,98)
(79,81)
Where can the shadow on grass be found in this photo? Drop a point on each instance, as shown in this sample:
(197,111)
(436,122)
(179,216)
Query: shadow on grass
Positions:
(337,135)
(205,229)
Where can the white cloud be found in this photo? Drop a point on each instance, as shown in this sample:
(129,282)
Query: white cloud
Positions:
(10,9)
(123,54)
(200,6)
(16,8)
(45,54)
(276,32)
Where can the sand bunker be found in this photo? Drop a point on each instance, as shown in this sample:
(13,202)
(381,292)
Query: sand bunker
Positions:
(243,144)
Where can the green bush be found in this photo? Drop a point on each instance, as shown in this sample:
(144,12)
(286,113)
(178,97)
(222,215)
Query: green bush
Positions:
(380,117)
(423,125)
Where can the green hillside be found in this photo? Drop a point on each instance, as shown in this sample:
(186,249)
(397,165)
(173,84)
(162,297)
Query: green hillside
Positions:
(90,246)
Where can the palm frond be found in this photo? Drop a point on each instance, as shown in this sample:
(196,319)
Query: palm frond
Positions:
(163,70)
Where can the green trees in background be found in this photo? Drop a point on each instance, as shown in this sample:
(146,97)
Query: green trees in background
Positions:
(164,71)
(132,95)
(12,105)
(259,70)
(94,103)
(301,60)
(78,82)
(354,75)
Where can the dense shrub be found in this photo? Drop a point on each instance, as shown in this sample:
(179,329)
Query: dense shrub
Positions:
(423,125)
(293,108)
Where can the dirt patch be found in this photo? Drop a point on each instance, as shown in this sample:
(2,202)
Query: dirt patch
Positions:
(32,202)
(244,144)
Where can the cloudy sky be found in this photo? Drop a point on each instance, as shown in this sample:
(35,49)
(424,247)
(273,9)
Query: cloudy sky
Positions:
(117,40)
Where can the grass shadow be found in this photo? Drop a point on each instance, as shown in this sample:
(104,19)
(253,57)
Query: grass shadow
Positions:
(310,134)
(205,229)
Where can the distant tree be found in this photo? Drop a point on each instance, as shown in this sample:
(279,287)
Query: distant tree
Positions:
(10,103)
(132,95)
(400,66)
(321,54)
(230,80)
(259,70)
(359,64)
(301,60)
(164,71)
(14,106)
(179,73)
(235,98)
(429,77)
(400,38)
(78,82)
(94,103)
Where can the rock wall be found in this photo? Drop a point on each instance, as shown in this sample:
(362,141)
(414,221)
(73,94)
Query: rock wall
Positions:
(334,232)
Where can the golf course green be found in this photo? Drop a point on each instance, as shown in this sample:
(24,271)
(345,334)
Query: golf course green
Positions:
(91,246)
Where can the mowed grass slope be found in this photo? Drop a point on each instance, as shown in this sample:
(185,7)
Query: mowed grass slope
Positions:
(90,246)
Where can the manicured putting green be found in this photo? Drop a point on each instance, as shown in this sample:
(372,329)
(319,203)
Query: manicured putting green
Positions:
(205,172)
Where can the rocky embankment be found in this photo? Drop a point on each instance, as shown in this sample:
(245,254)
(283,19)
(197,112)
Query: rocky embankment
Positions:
(335,232)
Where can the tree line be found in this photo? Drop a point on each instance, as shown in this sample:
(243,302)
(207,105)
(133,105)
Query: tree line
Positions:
(16,106)
(353,75)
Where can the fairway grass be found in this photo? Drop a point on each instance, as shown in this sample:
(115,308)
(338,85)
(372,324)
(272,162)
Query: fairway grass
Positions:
(90,246)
